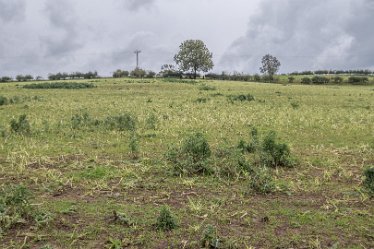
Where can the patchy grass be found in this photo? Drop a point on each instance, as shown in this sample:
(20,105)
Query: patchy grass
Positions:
(94,163)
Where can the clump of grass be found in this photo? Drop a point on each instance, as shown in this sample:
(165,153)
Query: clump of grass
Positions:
(210,237)
(201,100)
(134,146)
(166,220)
(230,163)
(122,219)
(14,206)
(241,98)
(3,100)
(21,125)
(207,88)
(123,122)
(192,156)
(59,85)
(151,121)
(274,153)
(270,152)
(79,121)
(368,182)
(262,182)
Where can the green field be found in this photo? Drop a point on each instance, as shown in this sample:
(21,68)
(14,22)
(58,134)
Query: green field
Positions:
(80,169)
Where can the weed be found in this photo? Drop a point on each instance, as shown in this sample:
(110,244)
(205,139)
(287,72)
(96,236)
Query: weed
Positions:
(191,158)
(122,219)
(207,88)
(241,98)
(254,143)
(46,247)
(262,182)
(59,85)
(43,219)
(21,126)
(3,100)
(134,146)
(230,163)
(114,244)
(368,182)
(14,206)
(295,105)
(166,221)
(210,238)
(124,122)
(275,154)
(201,100)
(151,121)
(79,121)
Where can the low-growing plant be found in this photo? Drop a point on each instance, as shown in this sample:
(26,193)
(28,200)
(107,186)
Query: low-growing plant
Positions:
(192,156)
(123,122)
(21,125)
(3,100)
(241,97)
(262,182)
(368,182)
(79,121)
(210,238)
(207,88)
(59,85)
(230,163)
(122,219)
(166,220)
(134,145)
(254,143)
(14,206)
(201,100)
(275,154)
(151,121)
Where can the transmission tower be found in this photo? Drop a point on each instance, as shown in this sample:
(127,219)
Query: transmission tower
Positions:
(137,52)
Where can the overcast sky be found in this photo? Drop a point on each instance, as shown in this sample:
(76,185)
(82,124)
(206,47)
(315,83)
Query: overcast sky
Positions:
(42,36)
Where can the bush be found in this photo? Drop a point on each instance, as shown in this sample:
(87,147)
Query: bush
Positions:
(192,156)
(306,80)
(275,154)
(124,122)
(368,182)
(21,126)
(253,144)
(337,80)
(207,88)
(230,163)
(319,80)
(3,100)
(166,221)
(262,182)
(241,98)
(358,80)
(59,85)
(79,121)
(151,121)
(291,79)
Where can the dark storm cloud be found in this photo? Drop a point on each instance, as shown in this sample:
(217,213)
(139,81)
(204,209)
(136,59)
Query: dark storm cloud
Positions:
(12,10)
(64,36)
(307,35)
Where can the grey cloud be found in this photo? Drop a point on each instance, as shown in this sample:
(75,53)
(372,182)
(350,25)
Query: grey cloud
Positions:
(307,35)
(138,4)
(12,10)
(65,36)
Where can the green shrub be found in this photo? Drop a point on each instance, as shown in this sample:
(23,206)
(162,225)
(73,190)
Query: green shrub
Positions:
(21,125)
(291,79)
(358,80)
(262,181)
(337,80)
(306,80)
(134,146)
(151,121)
(192,156)
(166,221)
(14,206)
(124,122)
(241,97)
(320,80)
(254,143)
(79,121)
(59,85)
(275,154)
(3,100)
(230,163)
(368,182)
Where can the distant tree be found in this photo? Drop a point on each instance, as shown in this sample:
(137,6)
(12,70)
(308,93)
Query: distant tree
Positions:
(194,56)
(138,73)
(150,74)
(270,65)
(28,77)
(5,79)
(20,78)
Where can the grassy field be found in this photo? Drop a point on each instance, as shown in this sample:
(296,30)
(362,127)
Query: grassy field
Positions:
(95,185)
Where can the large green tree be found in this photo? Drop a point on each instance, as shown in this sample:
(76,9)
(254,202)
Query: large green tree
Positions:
(194,56)
(270,65)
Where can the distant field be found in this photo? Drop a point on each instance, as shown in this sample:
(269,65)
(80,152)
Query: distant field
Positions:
(80,166)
